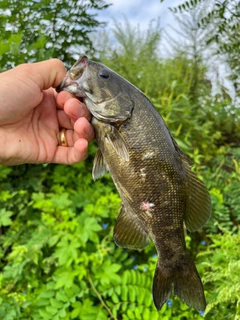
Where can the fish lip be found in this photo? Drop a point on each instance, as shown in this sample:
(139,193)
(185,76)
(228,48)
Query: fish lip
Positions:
(71,87)
(66,83)
(59,88)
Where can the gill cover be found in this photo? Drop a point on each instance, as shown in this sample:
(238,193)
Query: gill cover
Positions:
(101,90)
(116,109)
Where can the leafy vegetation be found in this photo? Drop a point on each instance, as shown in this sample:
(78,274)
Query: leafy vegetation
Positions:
(57,255)
(221,262)
(220,21)
(36,30)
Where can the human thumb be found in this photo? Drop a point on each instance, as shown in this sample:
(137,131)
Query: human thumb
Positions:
(50,73)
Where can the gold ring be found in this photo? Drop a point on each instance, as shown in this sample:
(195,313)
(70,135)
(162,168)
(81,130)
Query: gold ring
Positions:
(62,138)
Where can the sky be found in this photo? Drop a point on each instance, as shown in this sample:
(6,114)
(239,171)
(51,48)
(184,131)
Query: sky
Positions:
(139,12)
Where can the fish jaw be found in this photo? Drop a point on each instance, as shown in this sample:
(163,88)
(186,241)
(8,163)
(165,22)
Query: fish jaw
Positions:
(74,78)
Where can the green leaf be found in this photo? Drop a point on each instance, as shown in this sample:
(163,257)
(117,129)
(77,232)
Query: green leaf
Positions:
(115,298)
(75,313)
(124,294)
(132,293)
(47,294)
(61,296)
(56,303)
(5,217)
(154,315)
(62,313)
(51,310)
(4,171)
(53,240)
(146,313)
(138,314)
(131,315)
(25,304)
(148,300)
(42,302)
(46,315)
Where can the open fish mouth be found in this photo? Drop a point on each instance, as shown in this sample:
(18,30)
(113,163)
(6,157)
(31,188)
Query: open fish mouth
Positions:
(74,77)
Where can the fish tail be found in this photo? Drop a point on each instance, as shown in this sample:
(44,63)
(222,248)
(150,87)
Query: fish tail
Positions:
(183,278)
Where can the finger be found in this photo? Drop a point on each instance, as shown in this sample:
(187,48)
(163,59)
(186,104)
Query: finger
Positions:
(73,107)
(84,129)
(64,120)
(71,155)
(76,109)
(47,73)
(62,97)
(71,137)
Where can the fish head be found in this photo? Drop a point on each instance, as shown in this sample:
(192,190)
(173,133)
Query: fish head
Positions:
(105,93)
(74,78)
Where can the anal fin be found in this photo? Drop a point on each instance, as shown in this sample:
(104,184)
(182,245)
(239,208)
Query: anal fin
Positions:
(128,233)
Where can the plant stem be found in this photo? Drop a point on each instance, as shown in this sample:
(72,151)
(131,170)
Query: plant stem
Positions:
(100,298)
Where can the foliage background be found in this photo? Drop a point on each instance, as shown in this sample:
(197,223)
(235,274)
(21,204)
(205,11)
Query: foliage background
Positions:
(57,255)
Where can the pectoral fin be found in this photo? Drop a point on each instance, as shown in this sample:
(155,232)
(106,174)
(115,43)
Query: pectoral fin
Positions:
(118,143)
(198,202)
(99,166)
(128,233)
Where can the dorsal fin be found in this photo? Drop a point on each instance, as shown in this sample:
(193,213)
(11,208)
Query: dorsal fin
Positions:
(184,157)
(198,201)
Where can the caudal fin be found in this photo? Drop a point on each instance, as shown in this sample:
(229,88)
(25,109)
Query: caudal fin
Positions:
(183,279)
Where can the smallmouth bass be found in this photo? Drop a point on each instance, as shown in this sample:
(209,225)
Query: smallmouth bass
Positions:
(159,191)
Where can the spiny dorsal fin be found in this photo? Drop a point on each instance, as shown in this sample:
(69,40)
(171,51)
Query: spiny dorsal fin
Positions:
(183,156)
(128,233)
(198,202)
(99,166)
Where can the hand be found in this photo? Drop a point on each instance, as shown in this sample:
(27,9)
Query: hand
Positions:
(32,113)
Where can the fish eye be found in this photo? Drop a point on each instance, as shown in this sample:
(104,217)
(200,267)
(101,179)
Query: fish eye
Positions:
(104,74)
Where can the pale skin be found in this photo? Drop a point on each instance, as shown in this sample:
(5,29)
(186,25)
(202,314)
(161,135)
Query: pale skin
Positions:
(32,113)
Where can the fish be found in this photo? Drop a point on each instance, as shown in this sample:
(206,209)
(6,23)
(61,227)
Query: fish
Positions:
(160,193)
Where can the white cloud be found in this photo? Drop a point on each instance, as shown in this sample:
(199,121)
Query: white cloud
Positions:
(138,12)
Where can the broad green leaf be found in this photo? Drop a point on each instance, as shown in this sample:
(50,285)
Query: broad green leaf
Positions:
(56,303)
(5,219)
(47,294)
(61,296)
(46,315)
(51,310)
(42,302)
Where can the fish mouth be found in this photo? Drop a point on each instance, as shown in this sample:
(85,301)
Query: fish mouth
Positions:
(74,77)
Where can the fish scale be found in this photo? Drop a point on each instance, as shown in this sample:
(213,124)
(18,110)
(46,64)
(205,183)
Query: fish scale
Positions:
(159,191)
